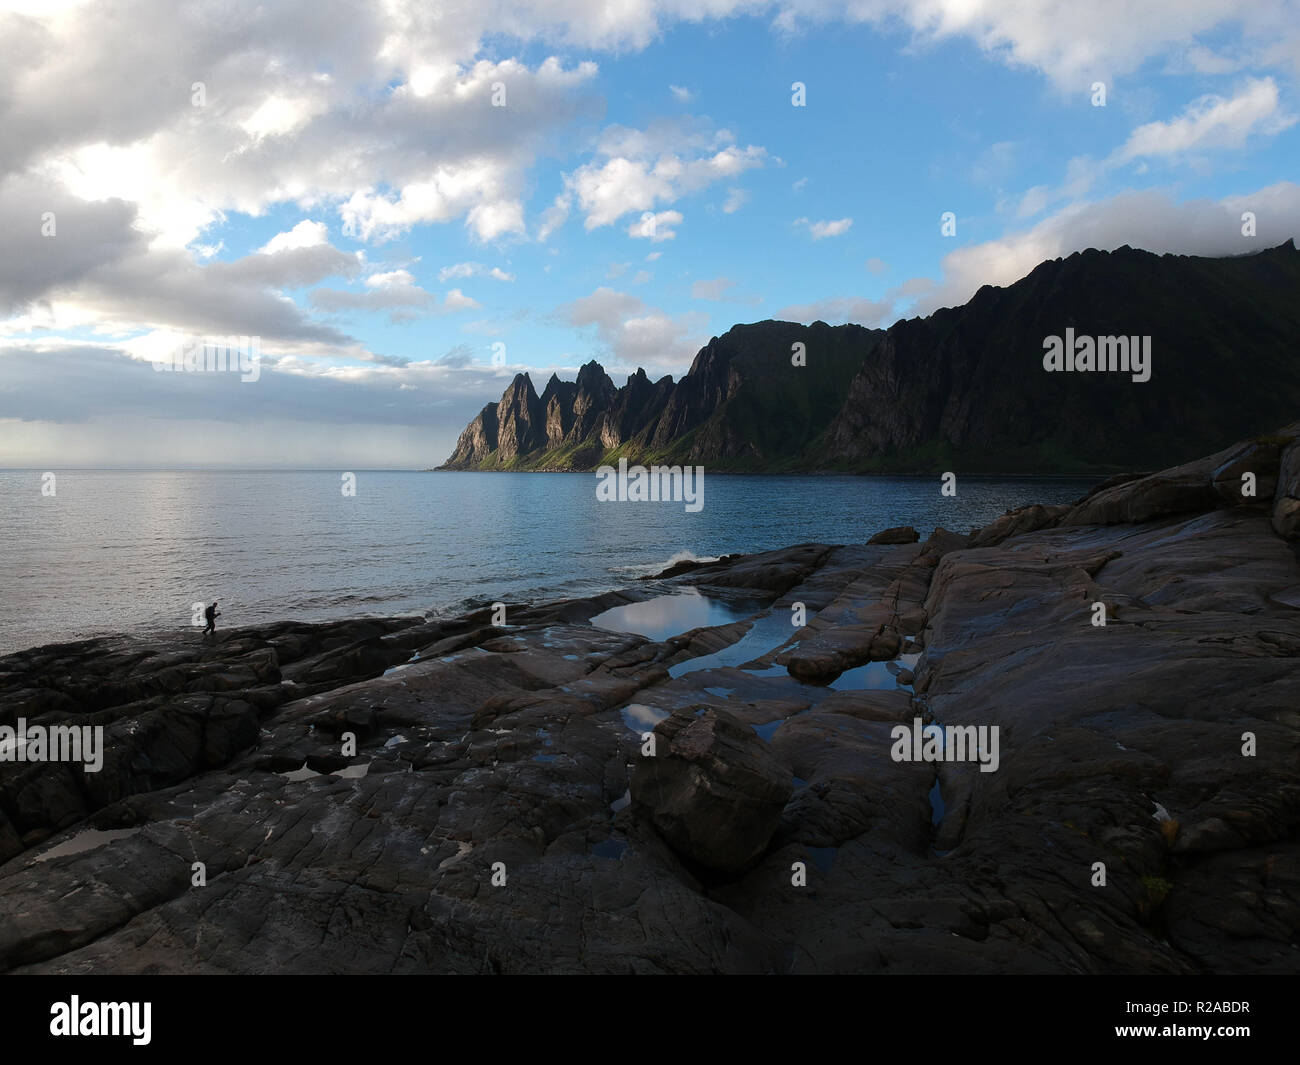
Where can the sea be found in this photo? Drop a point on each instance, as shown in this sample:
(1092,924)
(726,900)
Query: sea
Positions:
(93,552)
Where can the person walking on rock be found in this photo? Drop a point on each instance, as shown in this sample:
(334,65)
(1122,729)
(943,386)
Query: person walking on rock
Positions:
(212,613)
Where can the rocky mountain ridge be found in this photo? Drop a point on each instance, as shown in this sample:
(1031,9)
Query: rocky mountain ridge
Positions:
(963,388)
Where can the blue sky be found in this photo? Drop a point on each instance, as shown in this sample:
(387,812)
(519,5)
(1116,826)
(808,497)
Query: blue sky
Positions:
(345,191)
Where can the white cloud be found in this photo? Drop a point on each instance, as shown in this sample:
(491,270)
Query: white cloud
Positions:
(306,234)
(459,270)
(391,279)
(824,229)
(1147,219)
(554,216)
(1073,44)
(278,115)
(1034,201)
(636,334)
(680,94)
(471,269)
(736,199)
(288,268)
(458,301)
(282,130)
(1212,123)
(656,227)
(636,170)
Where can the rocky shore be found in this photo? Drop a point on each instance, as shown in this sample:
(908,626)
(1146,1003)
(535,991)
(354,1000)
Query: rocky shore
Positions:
(500,812)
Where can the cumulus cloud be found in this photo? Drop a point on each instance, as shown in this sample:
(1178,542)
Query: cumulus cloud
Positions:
(1212,123)
(306,234)
(97,270)
(637,170)
(53,240)
(290,268)
(635,334)
(430,149)
(1074,44)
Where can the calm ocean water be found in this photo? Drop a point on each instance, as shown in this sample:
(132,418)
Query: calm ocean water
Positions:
(131,551)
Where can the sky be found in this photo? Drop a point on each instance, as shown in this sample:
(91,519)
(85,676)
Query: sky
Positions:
(403,204)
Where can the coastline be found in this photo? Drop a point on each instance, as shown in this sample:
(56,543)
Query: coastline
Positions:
(521,745)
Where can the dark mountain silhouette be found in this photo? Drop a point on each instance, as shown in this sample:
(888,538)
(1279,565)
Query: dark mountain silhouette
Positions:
(963,388)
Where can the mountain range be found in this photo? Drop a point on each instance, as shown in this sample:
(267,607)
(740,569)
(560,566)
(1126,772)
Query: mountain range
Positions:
(964,388)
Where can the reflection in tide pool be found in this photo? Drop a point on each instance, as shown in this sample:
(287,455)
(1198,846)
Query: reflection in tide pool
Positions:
(767,632)
(874,676)
(669,615)
(641,718)
(84,841)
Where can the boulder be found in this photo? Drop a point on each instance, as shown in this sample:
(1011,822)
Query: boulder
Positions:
(1286,499)
(713,789)
(1200,485)
(899,534)
(824,655)
(1260,458)
(1022,520)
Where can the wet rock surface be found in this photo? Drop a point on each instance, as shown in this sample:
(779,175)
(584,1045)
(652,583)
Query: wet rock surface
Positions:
(713,789)
(396,795)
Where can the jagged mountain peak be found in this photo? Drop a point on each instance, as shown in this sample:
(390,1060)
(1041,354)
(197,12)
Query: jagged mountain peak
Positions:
(963,388)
